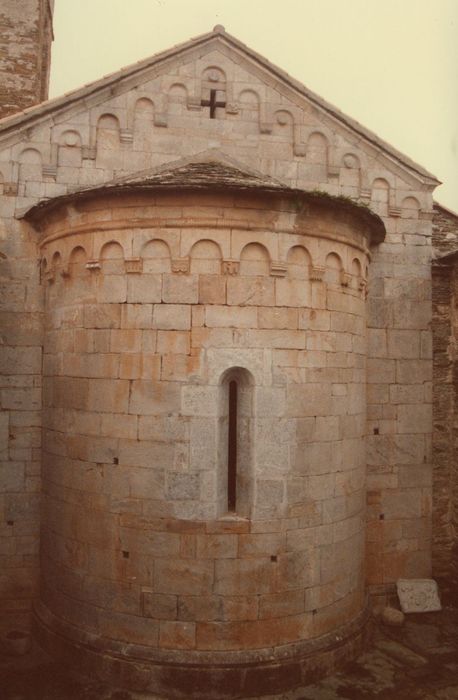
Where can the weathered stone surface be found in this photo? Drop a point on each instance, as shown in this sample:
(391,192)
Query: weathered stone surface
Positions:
(418,595)
(445,470)
(392,617)
(25,39)
(158,292)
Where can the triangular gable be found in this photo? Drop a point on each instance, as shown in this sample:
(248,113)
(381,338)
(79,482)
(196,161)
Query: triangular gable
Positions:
(128,77)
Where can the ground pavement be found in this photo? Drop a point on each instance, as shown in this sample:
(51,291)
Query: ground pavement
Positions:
(418,660)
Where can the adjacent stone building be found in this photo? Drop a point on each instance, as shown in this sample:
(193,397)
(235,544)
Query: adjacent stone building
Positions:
(216,372)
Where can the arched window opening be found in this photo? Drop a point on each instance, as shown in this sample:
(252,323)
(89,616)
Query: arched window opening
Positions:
(235,476)
(232,449)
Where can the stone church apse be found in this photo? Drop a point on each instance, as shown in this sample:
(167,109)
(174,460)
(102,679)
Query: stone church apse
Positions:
(217,368)
(204,456)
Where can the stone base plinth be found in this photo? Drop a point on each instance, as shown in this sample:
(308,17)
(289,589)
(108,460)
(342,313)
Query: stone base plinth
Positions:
(200,675)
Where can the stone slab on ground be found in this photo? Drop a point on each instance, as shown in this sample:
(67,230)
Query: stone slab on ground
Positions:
(418,595)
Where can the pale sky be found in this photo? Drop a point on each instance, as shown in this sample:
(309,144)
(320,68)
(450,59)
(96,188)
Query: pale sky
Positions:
(390,64)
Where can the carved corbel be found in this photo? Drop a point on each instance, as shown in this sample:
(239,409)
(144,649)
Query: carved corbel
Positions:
(126,136)
(88,152)
(278,269)
(230,266)
(317,273)
(180,265)
(49,170)
(133,265)
(93,265)
(345,278)
(10,189)
(333,171)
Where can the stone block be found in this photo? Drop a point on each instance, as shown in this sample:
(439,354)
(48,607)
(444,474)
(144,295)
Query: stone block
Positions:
(261,545)
(214,546)
(403,344)
(243,576)
(274,339)
(379,313)
(376,342)
(139,366)
(406,394)
(293,293)
(145,542)
(112,289)
(108,395)
(412,313)
(144,289)
(150,398)
(183,577)
(180,289)
(172,317)
(159,606)
(381,371)
(129,628)
(269,497)
(180,486)
(214,338)
(230,316)
(403,503)
(136,316)
(12,477)
(414,418)
(308,400)
(118,425)
(413,371)
(163,428)
(250,291)
(418,595)
(314,319)
(102,316)
(240,607)
(177,635)
(200,608)
(173,342)
(281,604)
(279,318)
(212,289)
(199,401)
(128,340)
(18,360)
(24,399)
(411,475)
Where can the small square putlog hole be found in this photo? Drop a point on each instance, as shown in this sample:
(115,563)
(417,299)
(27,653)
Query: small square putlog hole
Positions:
(125,554)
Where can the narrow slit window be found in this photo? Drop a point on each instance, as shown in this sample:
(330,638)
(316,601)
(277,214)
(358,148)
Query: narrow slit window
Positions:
(232,449)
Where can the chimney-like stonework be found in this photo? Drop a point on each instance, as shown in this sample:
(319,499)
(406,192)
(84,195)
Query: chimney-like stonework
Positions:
(25,53)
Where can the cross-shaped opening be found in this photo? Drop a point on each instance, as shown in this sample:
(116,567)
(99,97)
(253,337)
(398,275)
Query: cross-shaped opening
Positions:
(213,103)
